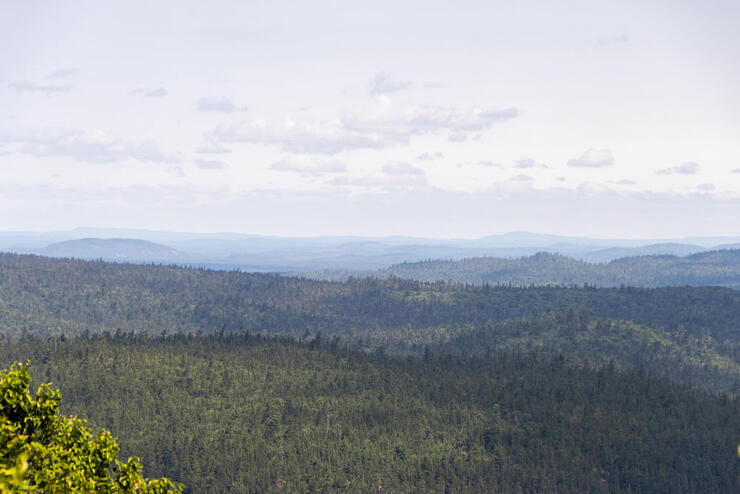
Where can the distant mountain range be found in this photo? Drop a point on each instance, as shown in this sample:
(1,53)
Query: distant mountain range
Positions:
(114,249)
(355,254)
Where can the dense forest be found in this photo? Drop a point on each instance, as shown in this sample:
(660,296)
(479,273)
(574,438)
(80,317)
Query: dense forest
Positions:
(719,267)
(42,451)
(249,382)
(579,338)
(47,296)
(687,333)
(242,413)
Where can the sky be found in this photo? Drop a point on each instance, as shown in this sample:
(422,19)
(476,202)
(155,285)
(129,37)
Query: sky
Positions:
(437,119)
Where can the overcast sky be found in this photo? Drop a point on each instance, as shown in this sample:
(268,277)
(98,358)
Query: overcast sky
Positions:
(441,119)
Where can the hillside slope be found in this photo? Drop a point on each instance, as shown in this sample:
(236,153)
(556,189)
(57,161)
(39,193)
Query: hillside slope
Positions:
(47,296)
(696,327)
(247,414)
(720,268)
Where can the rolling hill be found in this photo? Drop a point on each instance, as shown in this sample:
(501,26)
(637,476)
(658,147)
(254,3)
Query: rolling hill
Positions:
(720,267)
(114,249)
(49,297)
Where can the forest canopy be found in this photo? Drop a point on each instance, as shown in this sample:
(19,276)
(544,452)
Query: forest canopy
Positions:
(250,382)
(44,451)
(246,413)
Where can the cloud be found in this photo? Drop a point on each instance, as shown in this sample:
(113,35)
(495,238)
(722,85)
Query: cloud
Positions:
(687,168)
(218,104)
(626,181)
(158,92)
(436,155)
(399,125)
(705,187)
(382,84)
(401,168)
(363,130)
(210,164)
(212,146)
(526,163)
(30,87)
(327,137)
(63,73)
(593,158)
(458,137)
(92,146)
(736,170)
(614,40)
(310,168)
(521,178)
(176,171)
(395,176)
(490,164)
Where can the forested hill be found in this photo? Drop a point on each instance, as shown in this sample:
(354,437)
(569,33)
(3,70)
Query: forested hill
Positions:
(687,333)
(529,389)
(47,297)
(720,268)
(239,413)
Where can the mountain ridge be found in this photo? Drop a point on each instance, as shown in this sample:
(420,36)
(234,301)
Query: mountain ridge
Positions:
(352,253)
(118,249)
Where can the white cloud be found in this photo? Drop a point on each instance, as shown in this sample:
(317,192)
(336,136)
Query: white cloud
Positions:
(687,168)
(490,164)
(30,87)
(626,181)
(218,104)
(593,158)
(382,84)
(705,187)
(92,146)
(525,163)
(211,145)
(401,168)
(176,171)
(436,155)
(521,178)
(426,119)
(458,137)
(327,137)
(158,92)
(63,73)
(362,130)
(395,176)
(308,167)
(614,40)
(210,164)
(736,170)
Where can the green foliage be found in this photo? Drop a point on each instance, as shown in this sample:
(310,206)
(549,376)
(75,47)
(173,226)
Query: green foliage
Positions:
(232,413)
(43,451)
